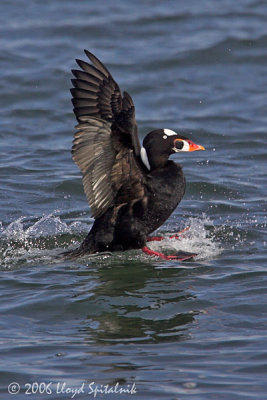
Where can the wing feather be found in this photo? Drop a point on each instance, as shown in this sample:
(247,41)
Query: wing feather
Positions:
(92,152)
(106,144)
(96,94)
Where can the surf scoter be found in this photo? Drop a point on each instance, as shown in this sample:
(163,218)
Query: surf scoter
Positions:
(131,189)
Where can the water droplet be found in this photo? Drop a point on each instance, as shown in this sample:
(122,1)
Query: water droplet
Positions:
(189,385)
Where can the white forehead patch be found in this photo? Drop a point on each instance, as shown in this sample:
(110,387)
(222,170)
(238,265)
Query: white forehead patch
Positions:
(169,132)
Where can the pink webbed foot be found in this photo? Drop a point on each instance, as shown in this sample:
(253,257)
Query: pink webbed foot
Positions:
(179,256)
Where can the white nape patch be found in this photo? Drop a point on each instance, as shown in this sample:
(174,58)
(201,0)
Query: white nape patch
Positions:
(169,132)
(144,158)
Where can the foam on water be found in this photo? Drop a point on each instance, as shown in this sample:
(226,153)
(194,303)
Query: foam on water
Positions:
(200,238)
(48,225)
(27,240)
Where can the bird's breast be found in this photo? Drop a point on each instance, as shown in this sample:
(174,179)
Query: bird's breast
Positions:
(165,189)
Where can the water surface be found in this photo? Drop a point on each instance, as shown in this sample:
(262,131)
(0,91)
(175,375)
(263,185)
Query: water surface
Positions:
(195,330)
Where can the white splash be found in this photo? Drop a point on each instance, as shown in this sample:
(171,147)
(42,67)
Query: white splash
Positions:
(48,225)
(28,241)
(197,239)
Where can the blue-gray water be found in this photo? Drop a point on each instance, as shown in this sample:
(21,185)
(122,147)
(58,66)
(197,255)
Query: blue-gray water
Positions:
(177,331)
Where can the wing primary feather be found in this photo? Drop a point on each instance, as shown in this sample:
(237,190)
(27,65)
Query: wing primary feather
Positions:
(93,153)
(97,63)
(82,93)
(106,135)
(86,76)
(91,69)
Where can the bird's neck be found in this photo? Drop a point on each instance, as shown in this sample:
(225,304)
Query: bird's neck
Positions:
(157,160)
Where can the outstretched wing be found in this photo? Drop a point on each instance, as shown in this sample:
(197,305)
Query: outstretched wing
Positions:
(106,145)
(96,94)
(91,152)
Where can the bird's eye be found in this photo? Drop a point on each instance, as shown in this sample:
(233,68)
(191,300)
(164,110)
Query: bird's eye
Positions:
(179,144)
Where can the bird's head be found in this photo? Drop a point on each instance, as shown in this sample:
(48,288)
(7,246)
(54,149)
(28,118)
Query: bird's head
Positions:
(159,144)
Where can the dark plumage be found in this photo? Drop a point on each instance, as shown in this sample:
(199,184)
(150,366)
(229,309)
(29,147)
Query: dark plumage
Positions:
(131,189)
